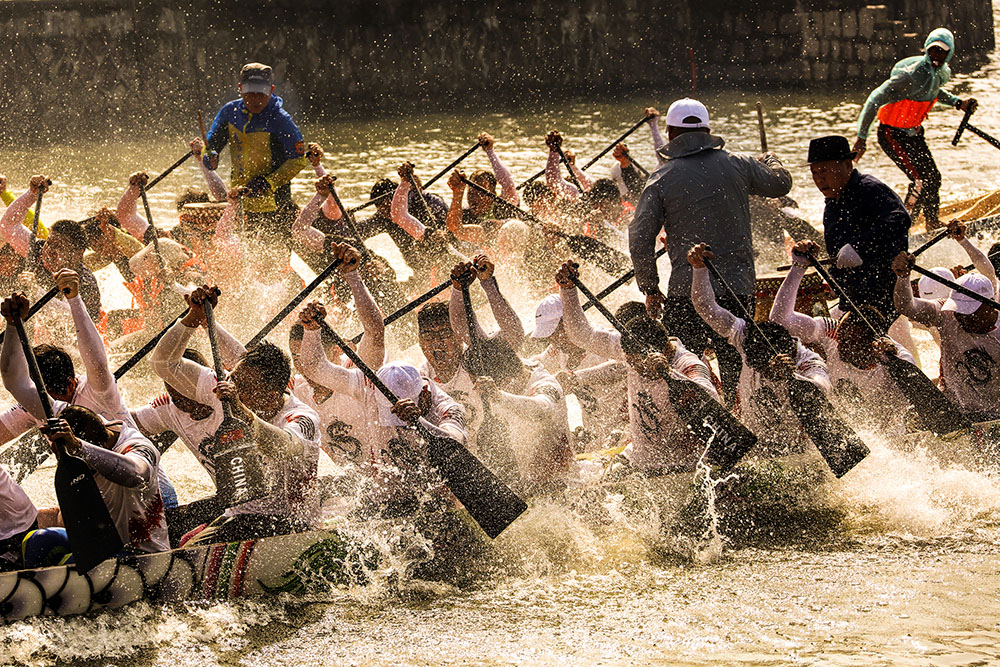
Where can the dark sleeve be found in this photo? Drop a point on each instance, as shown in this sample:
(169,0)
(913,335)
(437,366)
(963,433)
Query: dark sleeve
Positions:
(218,136)
(767,180)
(888,224)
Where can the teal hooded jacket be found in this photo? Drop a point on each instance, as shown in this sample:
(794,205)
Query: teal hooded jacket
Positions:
(913,78)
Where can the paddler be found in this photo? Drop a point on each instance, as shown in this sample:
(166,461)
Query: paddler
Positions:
(266,152)
(700,194)
(902,103)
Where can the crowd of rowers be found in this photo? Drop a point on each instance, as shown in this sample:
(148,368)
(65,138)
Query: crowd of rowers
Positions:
(312,399)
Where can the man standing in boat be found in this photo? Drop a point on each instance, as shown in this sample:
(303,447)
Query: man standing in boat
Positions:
(266,152)
(902,103)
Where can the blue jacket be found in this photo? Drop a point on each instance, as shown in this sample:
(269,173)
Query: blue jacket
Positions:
(913,78)
(268,144)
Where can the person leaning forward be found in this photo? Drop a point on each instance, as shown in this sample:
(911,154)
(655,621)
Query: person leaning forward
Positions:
(700,195)
(864,225)
(266,151)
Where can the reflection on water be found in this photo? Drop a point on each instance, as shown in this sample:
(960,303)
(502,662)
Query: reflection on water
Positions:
(909,577)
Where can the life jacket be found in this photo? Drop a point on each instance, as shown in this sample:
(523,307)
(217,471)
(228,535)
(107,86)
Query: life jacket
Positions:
(905,114)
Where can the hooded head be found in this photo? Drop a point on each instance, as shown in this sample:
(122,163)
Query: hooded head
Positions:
(941,38)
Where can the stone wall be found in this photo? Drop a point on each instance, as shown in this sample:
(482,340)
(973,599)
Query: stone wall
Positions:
(78,65)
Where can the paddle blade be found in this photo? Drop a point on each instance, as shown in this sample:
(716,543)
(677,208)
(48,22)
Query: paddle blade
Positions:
(23,456)
(709,421)
(937,413)
(239,475)
(489,501)
(590,249)
(92,534)
(836,441)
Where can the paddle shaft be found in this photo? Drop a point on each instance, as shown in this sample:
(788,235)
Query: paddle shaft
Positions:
(601,308)
(413,305)
(145,349)
(597,157)
(33,371)
(349,221)
(569,168)
(423,200)
(429,183)
(639,167)
(36,306)
(516,210)
(293,304)
(213,342)
(152,227)
(626,277)
(916,253)
(760,127)
(170,169)
(955,287)
(747,316)
(35,249)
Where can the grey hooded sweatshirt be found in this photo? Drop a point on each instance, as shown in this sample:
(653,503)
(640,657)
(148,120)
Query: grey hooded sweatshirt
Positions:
(701,195)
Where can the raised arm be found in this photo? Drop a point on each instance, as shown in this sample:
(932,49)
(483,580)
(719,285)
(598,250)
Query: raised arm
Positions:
(88,340)
(923,311)
(400,213)
(371,349)
(808,329)
(554,178)
(980,261)
(168,362)
(14,373)
(456,315)
(703,296)
(130,220)
(315,366)
(510,324)
(602,342)
(130,470)
(216,187)
(302,229)
(11,223)
(508,190)
(653,121)
(226,245)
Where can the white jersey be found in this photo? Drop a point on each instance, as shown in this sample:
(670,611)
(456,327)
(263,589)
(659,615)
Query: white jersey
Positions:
(763,404)
(345,421)
(599,402)
(871,393)
(970,374)
(462,388)
(137,511)
(292,480)
(17,512)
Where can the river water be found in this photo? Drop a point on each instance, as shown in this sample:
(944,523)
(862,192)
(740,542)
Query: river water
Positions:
(903,569)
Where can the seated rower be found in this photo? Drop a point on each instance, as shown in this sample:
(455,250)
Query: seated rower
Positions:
(598,382)
(660,439)
(970,337)
(440,330)
(391,455)
(410,214)
(125,462)
(479,223)
(553,170)
(771,358)
(63,249)
(18,517)
(285,430)
(862,386)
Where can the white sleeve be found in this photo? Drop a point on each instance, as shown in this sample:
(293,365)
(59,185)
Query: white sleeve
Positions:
(703,297)
(808,329)
(400,213)
(14,373)
(168,362)
(91,346)
(658,140)
(689,366)
(12,224)
(510,324)
(230,349)
(216,187)
(315,366)
(981,262)
(809,366)
(553,176)
(603,343)
(130,220)
(508,190)
(371,349)
(302,229)
(150,419)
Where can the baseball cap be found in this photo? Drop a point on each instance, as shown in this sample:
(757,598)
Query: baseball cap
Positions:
(405,381)
(931,289)
(687,113)
(964,305)
(938,43)
(547,316)
(256,78)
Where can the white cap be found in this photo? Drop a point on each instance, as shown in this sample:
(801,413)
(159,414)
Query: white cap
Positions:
(931,289)
(964,305)
(680,112)
(938,43)
(405,381)
(547,316)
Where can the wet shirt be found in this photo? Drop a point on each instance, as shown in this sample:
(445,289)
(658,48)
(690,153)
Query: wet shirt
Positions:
(17,512)
(344,421)
(970,374)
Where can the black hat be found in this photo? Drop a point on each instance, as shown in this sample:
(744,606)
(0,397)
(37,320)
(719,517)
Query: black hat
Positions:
(834,147)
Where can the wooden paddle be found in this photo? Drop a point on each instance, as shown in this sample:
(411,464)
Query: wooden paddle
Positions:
(569,168)
(597,157)
(586,247)
(35,249)
(92,534)
(239,475)
(943,234)
(839,445)
(152,227)
(428,184)
(349,222)
(489,501)
(726,438)
(169,169)
(493,437)
(411,306)
(955,287)
(936,411)
(760,127)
